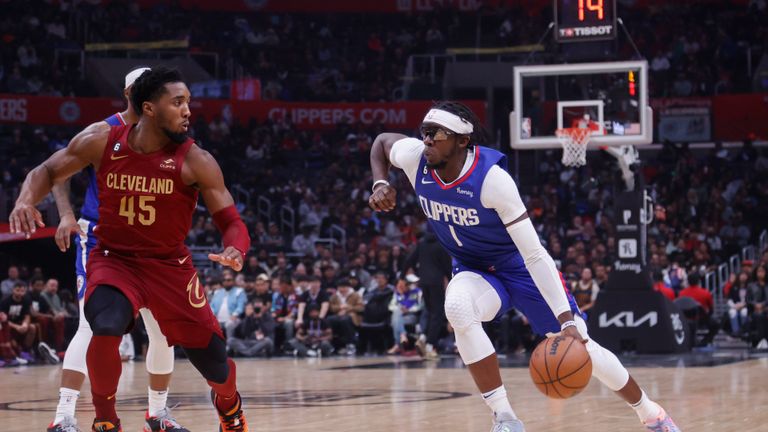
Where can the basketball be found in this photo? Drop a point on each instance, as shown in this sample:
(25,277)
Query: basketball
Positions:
(560,367)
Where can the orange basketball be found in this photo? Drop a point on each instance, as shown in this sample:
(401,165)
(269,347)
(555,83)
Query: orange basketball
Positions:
(560,367)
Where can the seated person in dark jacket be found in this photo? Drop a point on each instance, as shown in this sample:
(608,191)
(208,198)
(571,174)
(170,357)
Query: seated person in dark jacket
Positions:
(314,336)
(254,335)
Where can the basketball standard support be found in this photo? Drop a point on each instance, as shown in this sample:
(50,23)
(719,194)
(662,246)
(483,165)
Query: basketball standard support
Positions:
(628,314)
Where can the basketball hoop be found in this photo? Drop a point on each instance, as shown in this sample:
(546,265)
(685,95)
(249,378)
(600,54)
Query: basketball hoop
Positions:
(574,141)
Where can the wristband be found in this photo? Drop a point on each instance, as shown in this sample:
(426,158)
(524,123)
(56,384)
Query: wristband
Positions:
(378,182)
(570,323)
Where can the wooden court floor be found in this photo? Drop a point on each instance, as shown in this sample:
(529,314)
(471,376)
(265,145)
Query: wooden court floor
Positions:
(404,395)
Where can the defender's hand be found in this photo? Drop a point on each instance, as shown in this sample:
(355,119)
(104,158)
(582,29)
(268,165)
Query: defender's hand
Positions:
(67,226)
(384,198)
(25,219)
(231,257)
(573,332)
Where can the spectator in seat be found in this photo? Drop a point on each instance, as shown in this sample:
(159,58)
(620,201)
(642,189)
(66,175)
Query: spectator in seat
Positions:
(51,325)
(6,286)
(314,296)
(228,303)
(284,308)
(23,332)
(313,337)
(585,291)
(704,298)
(262,291)
(346,307)
(759,289)
(376,314)
(255,335)
(405,306)
(740,305)
(660,286)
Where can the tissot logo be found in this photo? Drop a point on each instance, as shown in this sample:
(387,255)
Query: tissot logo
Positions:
(627,319)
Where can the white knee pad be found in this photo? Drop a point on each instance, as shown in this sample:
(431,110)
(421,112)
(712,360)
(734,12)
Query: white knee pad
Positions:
(74,358)
(469,301)
(159,354)
(605,365)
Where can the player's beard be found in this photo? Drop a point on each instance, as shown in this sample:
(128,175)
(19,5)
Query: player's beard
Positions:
(437,165)
(176,137)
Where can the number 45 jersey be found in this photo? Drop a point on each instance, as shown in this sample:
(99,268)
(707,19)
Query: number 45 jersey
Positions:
(469,214)
(145,208)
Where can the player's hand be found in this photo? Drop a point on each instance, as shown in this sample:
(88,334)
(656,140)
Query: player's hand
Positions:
(25,219)
(384,198)
(67,226)
(231,257)
(573,332)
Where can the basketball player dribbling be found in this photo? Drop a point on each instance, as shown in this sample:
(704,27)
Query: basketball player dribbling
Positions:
(159,361)
(149,176)
(474,208)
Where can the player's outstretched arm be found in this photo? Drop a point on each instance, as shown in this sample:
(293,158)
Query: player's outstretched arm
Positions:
(384,196)
(85,149)
(67,222)
(206,175)
(500,193)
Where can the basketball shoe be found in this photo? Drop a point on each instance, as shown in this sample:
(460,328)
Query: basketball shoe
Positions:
(106,426)
(232,420)
(507,426)
(663,423)
(163,421)
(69,424)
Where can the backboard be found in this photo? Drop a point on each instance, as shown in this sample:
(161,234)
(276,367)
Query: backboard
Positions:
(610,98)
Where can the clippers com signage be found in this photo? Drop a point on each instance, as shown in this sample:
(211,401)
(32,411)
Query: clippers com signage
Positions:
(44,110)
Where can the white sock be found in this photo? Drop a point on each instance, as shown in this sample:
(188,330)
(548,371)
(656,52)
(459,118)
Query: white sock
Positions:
(157,400)
(67,403)
(646,409)
(499,404)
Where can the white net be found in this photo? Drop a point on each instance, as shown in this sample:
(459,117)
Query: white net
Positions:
(574,141)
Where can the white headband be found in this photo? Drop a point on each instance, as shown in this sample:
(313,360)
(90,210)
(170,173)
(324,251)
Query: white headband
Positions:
(449,120)
(134,75)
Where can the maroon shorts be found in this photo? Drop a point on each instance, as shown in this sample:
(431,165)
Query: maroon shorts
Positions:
(170,288)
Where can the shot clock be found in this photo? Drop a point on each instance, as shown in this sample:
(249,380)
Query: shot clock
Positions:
(585,20)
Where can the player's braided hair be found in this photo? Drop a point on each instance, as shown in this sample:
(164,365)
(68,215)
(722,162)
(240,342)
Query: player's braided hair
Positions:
(151,85)
(480,134)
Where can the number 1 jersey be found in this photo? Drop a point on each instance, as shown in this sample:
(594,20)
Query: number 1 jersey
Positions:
(469,214)
(145,209)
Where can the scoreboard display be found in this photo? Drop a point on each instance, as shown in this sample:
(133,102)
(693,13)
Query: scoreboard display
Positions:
(585,20)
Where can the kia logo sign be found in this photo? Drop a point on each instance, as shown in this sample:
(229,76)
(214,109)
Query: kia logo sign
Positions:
(627,319)
(69,111)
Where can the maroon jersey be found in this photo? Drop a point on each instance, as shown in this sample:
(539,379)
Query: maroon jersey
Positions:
(145,209)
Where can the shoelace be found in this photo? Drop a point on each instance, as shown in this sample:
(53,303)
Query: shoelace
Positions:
(166,419)
(234,421)
(68,427)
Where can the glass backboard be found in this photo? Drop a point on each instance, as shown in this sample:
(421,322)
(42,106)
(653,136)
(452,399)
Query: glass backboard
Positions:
(610,98)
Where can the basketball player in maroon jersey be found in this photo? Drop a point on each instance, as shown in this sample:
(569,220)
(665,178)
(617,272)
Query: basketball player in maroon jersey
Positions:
(149,177)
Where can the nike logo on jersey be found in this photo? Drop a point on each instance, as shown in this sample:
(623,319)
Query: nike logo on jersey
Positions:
(440,212)
(183,260)
(113,157)
(424,181)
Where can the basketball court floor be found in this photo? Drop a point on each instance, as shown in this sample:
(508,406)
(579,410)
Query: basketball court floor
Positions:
(704,392)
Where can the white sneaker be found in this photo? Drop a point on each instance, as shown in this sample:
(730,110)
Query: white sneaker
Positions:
(508,426)
(22,361)
(763,344)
